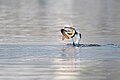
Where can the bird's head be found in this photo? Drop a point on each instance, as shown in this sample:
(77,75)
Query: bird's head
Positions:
(67,31)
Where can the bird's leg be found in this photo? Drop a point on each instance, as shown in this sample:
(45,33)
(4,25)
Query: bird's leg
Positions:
(73,44)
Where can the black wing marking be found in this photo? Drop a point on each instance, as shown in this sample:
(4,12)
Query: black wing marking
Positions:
(80,35)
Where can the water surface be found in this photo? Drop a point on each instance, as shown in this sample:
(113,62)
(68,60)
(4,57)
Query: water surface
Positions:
(31,47)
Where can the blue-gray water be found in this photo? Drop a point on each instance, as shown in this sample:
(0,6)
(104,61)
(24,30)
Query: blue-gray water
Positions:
(31,47)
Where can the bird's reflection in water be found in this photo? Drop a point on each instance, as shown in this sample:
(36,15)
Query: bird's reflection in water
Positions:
(69,64)
(71,52)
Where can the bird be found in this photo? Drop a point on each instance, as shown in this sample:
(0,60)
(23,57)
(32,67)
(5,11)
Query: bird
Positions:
(68,32)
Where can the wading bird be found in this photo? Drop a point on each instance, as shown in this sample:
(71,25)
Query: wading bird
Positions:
(70,32)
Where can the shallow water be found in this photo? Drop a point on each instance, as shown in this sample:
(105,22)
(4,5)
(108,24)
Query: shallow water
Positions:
(31,47)
(59,62)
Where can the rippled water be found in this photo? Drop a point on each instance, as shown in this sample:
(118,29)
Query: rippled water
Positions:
(31,47)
